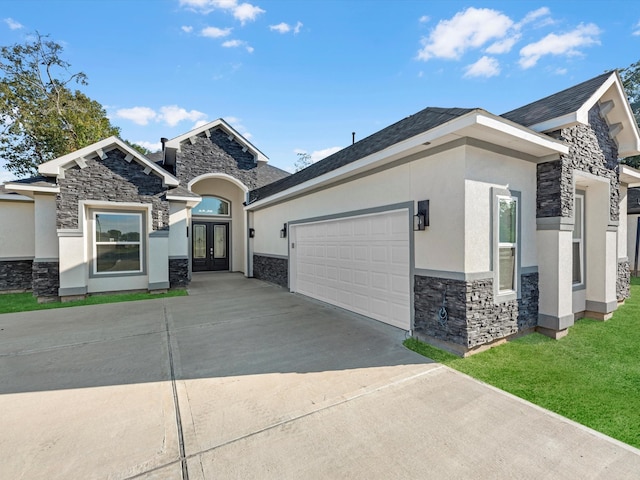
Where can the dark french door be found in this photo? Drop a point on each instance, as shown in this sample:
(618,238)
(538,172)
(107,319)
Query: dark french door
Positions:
(210,247)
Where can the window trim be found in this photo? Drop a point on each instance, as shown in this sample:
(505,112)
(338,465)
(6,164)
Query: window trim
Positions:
(501,296)
(582,241)
(93,270)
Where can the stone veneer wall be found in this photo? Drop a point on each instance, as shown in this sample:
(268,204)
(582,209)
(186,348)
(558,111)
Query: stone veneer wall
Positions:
(590,150)
(178,272)
(46,279)
(271,269)
(216,154)
(474,318)
(114,180)
(623,281)
(16,275)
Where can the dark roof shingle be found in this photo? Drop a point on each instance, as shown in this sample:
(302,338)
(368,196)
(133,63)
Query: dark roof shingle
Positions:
(558,104)
(404,129)
(267,174)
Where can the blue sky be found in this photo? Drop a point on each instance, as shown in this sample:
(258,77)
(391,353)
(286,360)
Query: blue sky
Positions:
(302,75)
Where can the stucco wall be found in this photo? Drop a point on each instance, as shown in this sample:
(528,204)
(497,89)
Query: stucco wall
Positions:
(17,229)
(438,178)
(485,170)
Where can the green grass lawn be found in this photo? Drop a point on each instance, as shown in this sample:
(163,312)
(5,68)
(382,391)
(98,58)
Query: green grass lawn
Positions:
(591,376)
(25,302)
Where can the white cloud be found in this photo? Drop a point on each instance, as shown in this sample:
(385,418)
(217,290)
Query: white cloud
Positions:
(318,155)
(424,19)
(243,12)
(199,123)
(238,43)
(215,32)
(187,28)
(151,146)
(246,12)
(286,28)
(567,44)
(236,123)
(138,115)
(503,46)
(534,15)
(636,29)
(471,28)
(12,24)
(5,175)
(172,115)
(560,71)
(485,67)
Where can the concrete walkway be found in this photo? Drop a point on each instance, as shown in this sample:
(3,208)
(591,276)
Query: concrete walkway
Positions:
(244,380)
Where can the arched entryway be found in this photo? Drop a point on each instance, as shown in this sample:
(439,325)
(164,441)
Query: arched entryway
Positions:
(218,224)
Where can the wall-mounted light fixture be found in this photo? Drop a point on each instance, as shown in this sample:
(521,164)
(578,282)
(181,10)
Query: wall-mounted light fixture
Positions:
(283,232)
(421,218)
(252,233)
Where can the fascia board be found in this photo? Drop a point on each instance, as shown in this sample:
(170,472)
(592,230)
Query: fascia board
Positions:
(558,122)
(32,188)
(56,166)
(15,198)
(453,127)
(522,133)
(629,175)
(190,201)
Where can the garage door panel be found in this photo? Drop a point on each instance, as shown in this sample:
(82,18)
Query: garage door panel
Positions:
(361,264)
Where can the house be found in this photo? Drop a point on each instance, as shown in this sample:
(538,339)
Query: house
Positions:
(461,226)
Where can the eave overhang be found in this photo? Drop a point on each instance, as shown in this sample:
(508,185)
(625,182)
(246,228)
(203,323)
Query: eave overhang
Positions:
(478,124)
(56,167)
(614,108)
(629,176)
(190,201)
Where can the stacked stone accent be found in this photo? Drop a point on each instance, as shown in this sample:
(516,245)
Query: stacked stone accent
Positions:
(16,275)
(473,317)
(46,279)
(114,180)
(271,269)
(590,150)
(178,272)
(215,154)
(623,280)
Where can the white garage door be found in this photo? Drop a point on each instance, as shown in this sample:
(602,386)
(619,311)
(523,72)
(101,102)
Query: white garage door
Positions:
(358,263)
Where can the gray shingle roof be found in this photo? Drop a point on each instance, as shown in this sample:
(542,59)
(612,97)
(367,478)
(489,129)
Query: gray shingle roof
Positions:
(408,127)
(268,174)
(38,181)
(181,191)
(558,104)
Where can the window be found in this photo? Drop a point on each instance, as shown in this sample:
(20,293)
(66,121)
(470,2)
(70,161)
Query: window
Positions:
(213,206)
(507,244)
(118,247)
(578,240)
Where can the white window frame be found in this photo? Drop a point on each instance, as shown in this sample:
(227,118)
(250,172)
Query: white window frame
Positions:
(580,240)
(96,243)
(500,295)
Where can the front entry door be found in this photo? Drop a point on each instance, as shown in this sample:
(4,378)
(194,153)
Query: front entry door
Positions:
(210,246)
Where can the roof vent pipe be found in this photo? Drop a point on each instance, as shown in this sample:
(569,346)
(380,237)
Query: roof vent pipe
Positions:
(353,138)
(163,141)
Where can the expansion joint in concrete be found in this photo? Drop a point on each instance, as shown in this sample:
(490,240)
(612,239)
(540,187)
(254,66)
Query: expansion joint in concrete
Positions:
(176,403)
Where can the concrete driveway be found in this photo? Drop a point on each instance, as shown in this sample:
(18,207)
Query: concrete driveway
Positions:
(244,380)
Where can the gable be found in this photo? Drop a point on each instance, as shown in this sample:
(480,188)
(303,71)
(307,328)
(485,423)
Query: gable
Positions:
(572,106)
(57,167)
(175,144)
